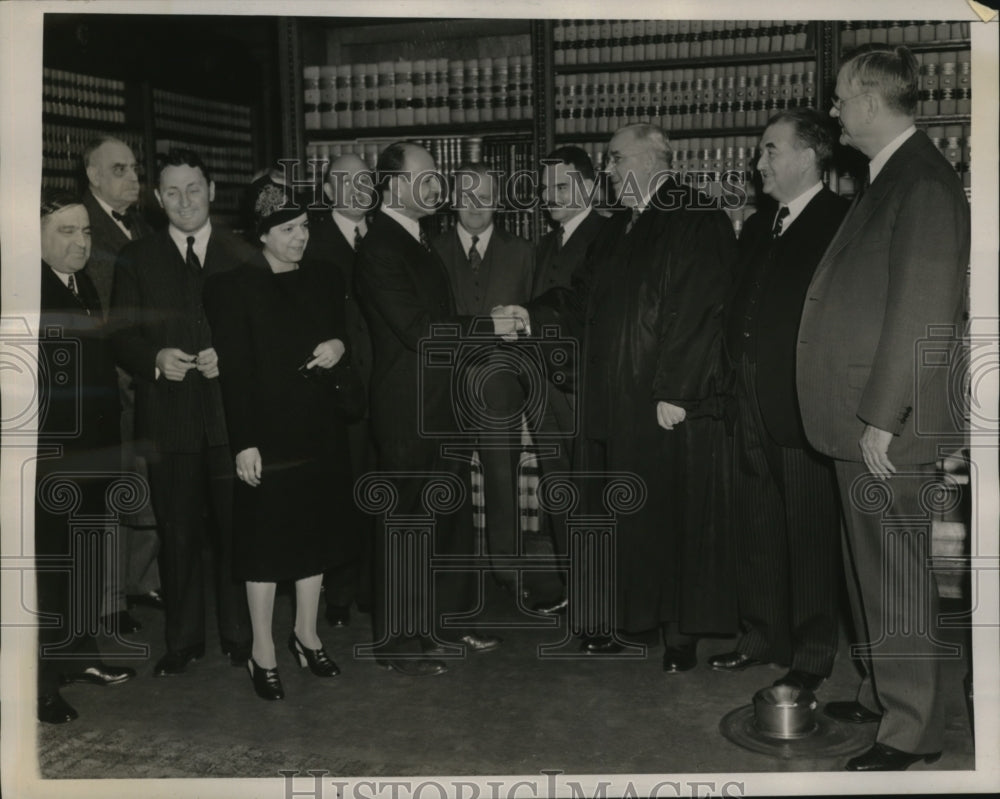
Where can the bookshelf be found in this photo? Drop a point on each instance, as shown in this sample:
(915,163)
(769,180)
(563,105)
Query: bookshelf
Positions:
(464,89)
(943,50)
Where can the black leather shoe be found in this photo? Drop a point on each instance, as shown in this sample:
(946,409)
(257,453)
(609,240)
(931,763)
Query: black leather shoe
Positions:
(53,709)
(481,643)
(238,654)
(551,608)
(99,675)
(413,667)
(680,658)
(317,660)
(805,680)
(176,662)
(853,712)
(121,622)
(600,645)
(338,615)
(151,599)
(885,758)
(266,682)
(733,661)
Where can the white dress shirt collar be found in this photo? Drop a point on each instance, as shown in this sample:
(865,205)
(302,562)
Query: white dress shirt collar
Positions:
(347,226)
(200,240)
(110,212)
(411,226)
(883,155)
(798,205)
(482,242)
(572,224)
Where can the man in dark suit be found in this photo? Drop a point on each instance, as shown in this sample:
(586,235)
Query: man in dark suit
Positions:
(894,273)
(403,288)
(162,339)
(334,238)
(647,305)
(568,190)
(78,447)
(487,267)
(110,200)
(785,513)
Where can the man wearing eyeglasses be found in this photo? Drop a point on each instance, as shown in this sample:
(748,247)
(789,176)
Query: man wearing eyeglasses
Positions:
(110,200)
(894,274)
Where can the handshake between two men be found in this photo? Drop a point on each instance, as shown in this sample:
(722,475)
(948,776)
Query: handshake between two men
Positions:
(512,321)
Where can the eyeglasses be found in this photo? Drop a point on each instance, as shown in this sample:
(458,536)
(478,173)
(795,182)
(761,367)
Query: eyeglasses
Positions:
(616,158)
(838,102)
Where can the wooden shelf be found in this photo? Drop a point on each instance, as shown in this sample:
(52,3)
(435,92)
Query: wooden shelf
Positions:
(691,133)
(944,119)
(701,61)
(83,122)
(926,47)
(445,129)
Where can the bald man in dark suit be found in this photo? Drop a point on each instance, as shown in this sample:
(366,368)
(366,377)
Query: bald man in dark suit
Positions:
(110,200)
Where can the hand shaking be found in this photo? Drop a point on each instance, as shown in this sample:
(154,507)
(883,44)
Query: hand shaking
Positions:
(509,320)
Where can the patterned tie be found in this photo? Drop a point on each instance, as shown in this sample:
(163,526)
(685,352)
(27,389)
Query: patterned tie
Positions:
(71,282)
(123,219)
(423,240)
(635,218)
(779,222)
(191,259)
(357,237)
(475,259)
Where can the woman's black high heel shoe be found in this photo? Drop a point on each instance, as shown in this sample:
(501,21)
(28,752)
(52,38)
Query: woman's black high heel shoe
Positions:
(266,682)
(316,659)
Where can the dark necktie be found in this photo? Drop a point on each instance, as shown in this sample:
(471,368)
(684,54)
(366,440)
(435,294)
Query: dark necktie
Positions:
(635,218)
(864,185)
(423,240)
(357,237)
(475,259)
(560,236)
(71,285)
(123,219)
(779,222)
(191,259)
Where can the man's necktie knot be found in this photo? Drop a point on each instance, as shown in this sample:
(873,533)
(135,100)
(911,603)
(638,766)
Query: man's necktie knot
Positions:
(357,237)
(475,259)
(191,258)
(779,222)
(122,219)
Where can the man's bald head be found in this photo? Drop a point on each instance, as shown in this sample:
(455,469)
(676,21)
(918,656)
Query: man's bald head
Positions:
(349,186)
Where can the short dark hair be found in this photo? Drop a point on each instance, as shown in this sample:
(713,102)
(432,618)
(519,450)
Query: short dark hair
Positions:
(180,156)
(56,199)
(575,157)
(812,129)
(96,143)
(891,71)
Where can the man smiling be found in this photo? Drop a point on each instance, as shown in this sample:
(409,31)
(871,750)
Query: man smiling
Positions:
(162,338)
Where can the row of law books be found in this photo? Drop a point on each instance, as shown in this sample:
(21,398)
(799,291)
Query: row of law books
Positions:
(856,33)
(431,91)
(226,163)
(682,99)
(63,146)
(505,154)
(196,116)
(945,83)
(582,41)
(85,97)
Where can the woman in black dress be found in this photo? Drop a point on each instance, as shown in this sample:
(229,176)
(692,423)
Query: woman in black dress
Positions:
(278,327)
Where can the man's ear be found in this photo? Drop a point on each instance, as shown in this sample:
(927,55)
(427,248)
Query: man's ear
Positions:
(159,199)
(92,172)
(328,190)
(211,191)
